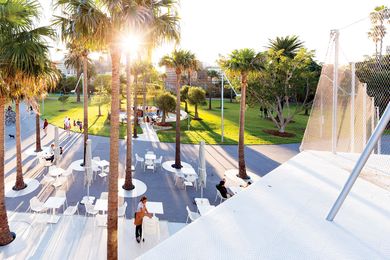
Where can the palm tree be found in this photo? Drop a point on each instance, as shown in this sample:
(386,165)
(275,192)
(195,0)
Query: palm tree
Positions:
(136,69)
(181,61)
(213,74)
(74,59)
(243,62)
(79,22)
(289,44)
(128,185)
(15,18)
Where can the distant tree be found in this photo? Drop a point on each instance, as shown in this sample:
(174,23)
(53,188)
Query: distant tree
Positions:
(184,96)
(196,96)
(63,99)
(289,45)
(213,75)
(242,62)
(166,102)
(378,29)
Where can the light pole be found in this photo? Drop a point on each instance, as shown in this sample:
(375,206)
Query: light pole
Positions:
(73,91)
(222,125)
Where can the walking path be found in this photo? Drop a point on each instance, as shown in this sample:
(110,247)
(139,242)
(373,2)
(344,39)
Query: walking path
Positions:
(148,133)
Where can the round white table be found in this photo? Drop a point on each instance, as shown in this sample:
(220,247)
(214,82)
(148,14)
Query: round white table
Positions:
(55,171)
(77,167)
(168,166)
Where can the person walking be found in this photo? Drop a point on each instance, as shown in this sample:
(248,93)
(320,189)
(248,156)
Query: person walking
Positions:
(45,125)
(139,215)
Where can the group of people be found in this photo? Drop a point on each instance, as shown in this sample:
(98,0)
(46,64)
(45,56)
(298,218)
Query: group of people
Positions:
(68,124)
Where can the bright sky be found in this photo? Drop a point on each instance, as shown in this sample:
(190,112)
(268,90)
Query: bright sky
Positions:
(213,27)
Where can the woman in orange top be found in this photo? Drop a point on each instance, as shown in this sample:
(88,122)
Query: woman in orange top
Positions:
(139,215)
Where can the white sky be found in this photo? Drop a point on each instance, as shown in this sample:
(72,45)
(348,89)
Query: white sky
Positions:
(212,27)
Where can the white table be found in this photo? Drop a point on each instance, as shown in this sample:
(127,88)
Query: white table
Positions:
(55,171)
(167,165)
(150,156)
(155,207)
(201,201)
(54,203)
(235,189)
(188,171)
(103,163)
(101,205)
(77,167)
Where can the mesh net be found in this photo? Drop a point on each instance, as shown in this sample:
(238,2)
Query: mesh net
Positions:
(353,92)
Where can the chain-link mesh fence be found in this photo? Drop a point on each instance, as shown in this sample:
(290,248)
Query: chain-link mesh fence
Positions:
(353,92)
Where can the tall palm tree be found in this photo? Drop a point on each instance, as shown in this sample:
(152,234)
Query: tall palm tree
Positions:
(74,59)
(242,62)
(128,185)
(180,61)
(15,17)
(78,23)
(162,27)
(102,25)
(30,72)
(136,70)
(213,74)
(289,44)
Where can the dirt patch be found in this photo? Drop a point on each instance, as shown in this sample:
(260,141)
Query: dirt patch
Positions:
(277,119)
(277,133)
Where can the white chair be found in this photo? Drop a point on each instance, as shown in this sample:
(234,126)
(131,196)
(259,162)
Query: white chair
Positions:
(71,210)
(149,165)
(59,181)
(122,211)
(103,175)
(158,161)
(62,194)
(47,180)
(68,172)
(151,228)
(96,158)
(179,176)
(36,205)
(90,210)
(219,195)
(139,159)
(191,181)
(104,196)
(192,215)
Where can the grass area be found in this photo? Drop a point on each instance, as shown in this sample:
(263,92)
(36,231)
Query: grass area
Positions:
(55,112)
(209,128)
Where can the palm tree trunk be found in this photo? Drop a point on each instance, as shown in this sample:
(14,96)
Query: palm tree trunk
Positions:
(241,156)
(135,107)
(78,89)
(186,106)
(210,99)
(38,147)
(177,164)
(144,99)
(85,94)
(6,236)
(163,117)
(231,95)
(128,185)
(19,184)
(196,111)
(112,221)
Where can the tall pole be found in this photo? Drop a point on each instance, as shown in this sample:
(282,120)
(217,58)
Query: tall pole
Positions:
(335,88)
(364,115)
(353,85)
(380,139)
(375,137)
(222,87)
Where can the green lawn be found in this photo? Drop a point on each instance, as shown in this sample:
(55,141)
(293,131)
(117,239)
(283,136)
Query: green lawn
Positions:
(209,129)
(55,112)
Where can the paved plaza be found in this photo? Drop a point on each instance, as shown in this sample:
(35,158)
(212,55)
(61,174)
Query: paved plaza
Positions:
(160,184)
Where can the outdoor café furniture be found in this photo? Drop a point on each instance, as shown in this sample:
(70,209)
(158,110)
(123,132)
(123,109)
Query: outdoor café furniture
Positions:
(36,205)
(155,207)
(158,161)
(151,228)
(54,203)
(104,196)
(101,205)
(191,215)
(90,209)
(62,194)
(71,210)
(149,161)
(122,211)
(139,159)
(55,171)
(190,181)
(203,205)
